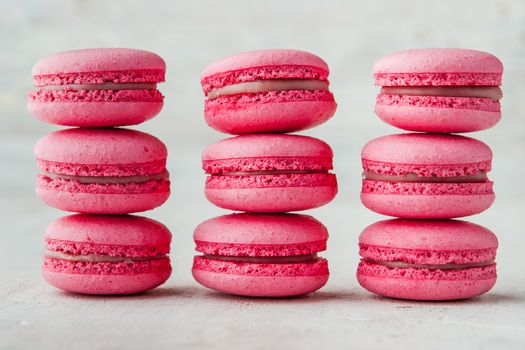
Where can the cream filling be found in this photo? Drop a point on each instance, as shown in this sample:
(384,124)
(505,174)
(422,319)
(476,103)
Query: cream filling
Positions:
(265,259)
(268,85)
(404,265)
(103,86)
(479,177)
(104,180)
(270,172)
(98,258)
(492,92)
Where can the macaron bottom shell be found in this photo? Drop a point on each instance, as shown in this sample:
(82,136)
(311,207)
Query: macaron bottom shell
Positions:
(101,203)
(94,114)
(263,280)
(440,120)
(272,199)
(106,284)
(233,118)
(427,206)
(420,284)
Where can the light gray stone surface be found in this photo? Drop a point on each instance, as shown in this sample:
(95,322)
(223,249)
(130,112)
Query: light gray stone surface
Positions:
(350,35)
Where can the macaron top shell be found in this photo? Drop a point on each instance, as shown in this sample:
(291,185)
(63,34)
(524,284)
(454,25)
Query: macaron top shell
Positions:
(444,235)
(261,235)
(260,152)
(109,229)
(264,64)
(267,145)
(275,229)
(447,66)
(92,146)
(429,150)
(81,67)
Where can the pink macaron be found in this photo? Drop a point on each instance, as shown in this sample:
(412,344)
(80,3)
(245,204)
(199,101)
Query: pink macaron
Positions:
(431,176)
(97,87)
(261,255)
(102,171)
(269,173)
(439,90)
(267,91)
(427,259)
(99,254)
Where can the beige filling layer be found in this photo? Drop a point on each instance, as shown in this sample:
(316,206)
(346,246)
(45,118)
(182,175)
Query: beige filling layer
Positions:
(479,177)
(268,85)
(265,259)
(104,86)
(404,265)
(492,92)
(98,258)
(110,179)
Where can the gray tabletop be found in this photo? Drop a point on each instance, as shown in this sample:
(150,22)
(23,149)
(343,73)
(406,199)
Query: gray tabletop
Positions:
(350,36)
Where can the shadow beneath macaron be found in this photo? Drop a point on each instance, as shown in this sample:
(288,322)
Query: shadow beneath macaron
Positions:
(486,299)
(311,298)
(158,293)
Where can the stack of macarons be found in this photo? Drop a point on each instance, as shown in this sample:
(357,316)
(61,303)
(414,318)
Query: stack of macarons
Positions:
(431,176)
(265,252)
(101,171)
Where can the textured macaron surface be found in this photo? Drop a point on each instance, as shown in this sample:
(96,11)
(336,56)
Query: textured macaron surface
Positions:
(264,91)
(435,242)
(97,66)
(108,235)
(262,65)
(485,273)
(100,152)
(427,259)
(438,67)
(267,152)
(269,173)
(317,267)
(426,155)
(128,254)
(261,235)
(459,103)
